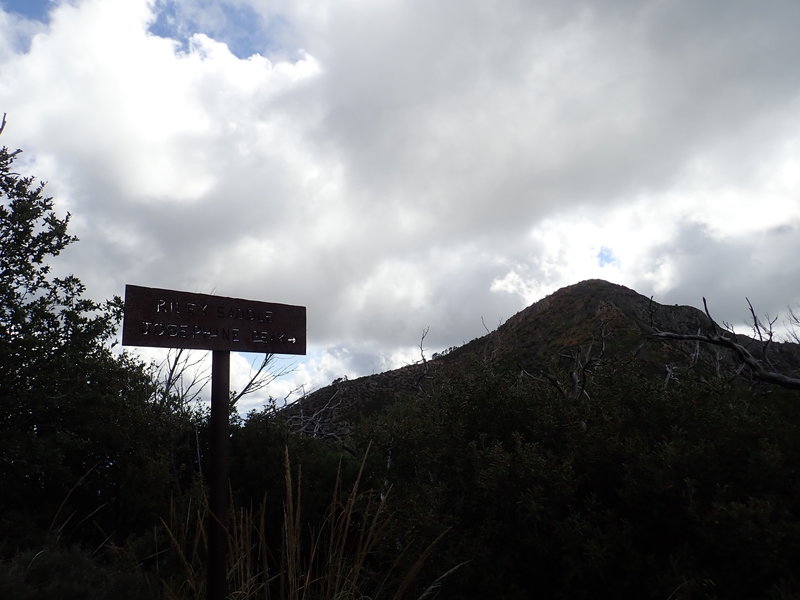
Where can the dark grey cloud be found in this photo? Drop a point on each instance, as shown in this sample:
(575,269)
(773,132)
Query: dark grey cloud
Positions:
(459,106)
(729,271)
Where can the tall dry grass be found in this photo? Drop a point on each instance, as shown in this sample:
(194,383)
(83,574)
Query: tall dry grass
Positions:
(337,560)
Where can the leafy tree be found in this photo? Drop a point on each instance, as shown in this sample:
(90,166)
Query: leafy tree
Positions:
(83,450)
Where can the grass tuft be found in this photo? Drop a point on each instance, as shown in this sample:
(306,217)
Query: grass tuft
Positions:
(336,560)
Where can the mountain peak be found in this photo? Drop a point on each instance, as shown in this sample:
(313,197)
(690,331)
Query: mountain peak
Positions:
(578,319)
(592,302)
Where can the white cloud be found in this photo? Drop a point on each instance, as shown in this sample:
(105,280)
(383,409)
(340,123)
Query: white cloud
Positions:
(398,165)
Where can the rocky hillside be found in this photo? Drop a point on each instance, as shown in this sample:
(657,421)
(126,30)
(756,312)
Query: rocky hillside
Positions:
(573,329)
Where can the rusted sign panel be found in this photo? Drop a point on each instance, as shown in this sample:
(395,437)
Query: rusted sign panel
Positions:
(170,319)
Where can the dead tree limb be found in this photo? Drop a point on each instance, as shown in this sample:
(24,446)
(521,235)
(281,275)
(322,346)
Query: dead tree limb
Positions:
(262,376)
(181,379)
(583,361)
(719,339)
(425,367)
(318,424)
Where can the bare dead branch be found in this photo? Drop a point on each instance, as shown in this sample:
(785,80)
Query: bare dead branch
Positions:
(670,374)
(760,369)
(545,378)
(261,378)
(318,423)
(755,367)
(181,379)
(484,325)
(717,328)
(765,333)
(583,361)
(425,368)
(756,323)
(793,323)
(696,354)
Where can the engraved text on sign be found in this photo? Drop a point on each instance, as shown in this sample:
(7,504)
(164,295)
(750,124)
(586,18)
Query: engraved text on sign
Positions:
(171,319)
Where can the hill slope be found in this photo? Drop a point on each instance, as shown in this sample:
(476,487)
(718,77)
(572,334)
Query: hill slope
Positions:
(570,454)
(565,332)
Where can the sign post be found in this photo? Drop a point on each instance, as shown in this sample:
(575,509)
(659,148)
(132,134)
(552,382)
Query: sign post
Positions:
(169,319)
(218,426)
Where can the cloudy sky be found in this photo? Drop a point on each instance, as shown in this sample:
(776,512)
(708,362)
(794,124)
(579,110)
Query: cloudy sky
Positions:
(395,165)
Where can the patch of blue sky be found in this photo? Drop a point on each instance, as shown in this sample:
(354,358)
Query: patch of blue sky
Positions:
(35,10)
(28,17)
(605,256)
(241,28)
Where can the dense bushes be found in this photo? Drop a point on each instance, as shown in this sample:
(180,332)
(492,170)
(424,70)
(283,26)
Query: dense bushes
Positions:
(71,573)
(636,492)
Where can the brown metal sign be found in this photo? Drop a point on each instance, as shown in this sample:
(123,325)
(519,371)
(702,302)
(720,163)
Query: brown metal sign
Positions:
(170,319)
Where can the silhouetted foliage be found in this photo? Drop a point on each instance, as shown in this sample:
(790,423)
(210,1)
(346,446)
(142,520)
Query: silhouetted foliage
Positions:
(638,492)
(84,454)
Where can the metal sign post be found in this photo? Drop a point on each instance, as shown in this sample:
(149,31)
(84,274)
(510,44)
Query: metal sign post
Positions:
(170,319)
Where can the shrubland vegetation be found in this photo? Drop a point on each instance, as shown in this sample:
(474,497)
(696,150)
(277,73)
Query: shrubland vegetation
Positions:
(484,483)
